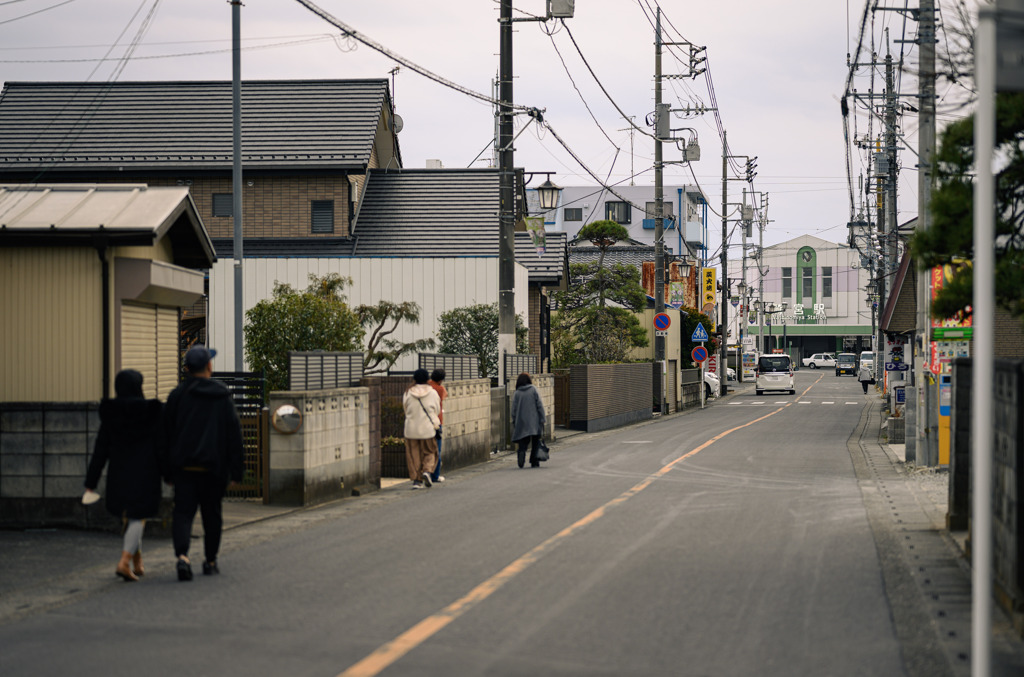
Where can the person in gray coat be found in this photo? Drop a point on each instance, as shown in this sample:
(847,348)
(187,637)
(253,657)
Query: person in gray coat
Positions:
(527,419)
(864,376)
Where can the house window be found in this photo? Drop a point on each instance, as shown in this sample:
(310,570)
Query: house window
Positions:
(572,214)
(787,283)
(807,282)
(322,216)
(826,286)
(223,204)
(619,212)
(666,210)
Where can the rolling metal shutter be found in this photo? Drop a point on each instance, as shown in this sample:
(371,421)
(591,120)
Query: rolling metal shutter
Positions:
(149,344)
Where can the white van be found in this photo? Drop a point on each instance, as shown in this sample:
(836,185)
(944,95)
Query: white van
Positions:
(867,359)
(774,372)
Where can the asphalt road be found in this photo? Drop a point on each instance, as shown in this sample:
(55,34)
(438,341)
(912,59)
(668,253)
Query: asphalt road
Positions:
(733,541)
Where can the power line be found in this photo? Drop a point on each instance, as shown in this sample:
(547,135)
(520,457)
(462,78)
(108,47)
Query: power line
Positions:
(38,11)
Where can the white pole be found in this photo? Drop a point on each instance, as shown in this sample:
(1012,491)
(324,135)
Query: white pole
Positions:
(983,321)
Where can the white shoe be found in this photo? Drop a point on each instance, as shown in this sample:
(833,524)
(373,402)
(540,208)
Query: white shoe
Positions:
(440,478)
(426,480)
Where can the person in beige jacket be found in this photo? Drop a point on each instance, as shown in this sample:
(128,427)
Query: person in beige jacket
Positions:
(422,419)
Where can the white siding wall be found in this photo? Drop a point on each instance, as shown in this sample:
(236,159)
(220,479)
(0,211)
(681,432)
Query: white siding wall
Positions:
(437,285)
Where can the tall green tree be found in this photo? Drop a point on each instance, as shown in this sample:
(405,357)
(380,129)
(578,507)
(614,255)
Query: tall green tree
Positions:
(584,330)
(603,235)
(950,241)
(382,321)
(315,319)
(473,330)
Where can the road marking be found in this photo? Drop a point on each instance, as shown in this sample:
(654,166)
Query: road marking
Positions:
(828,402)
(389,653)
(781,402)
(853,402)
(802,402)
(637,442)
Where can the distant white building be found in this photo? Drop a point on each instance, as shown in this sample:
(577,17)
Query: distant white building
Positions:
(824,289)
(685,212)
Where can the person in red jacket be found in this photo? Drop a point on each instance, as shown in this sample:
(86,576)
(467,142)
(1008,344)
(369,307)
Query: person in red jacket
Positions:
(202,454)
(436,378)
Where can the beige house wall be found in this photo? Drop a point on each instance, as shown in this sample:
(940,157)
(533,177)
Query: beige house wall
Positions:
(52,331)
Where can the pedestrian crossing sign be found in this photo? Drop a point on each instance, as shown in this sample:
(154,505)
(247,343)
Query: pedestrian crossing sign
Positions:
(699,334)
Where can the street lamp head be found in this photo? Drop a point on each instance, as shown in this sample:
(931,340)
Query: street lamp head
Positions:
(548,192)
(742,286)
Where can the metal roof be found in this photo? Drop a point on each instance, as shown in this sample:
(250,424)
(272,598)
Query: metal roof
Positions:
(550,267)
(162,125)
(287,247)
(428,213)
(114,214)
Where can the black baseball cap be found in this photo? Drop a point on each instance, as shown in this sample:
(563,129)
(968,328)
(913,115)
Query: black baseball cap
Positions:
(197,357)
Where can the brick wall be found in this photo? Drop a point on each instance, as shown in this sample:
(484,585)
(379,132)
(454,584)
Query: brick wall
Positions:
(274,206)
(467,423)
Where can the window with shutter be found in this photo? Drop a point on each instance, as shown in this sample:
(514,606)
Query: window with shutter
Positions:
(322,216)
(223,204)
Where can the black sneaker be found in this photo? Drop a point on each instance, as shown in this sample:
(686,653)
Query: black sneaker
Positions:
(184,570)
(427,482)
(210,568)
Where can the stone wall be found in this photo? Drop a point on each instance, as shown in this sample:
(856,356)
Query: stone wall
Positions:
(467,423)
(45,448)
(329,455)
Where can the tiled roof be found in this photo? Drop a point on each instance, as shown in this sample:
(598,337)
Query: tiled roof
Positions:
(286,247)
(160,125)
(548,268)
(428,213)
(633,255)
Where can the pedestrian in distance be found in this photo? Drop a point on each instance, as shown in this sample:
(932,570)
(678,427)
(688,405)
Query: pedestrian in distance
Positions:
(127,445)
(422,407)
(436,382)
(527,419)
(864,376)
(203,454)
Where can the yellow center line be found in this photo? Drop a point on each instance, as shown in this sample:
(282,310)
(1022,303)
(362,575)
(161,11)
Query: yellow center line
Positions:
(390,652)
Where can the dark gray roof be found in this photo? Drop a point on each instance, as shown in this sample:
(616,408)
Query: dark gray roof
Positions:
(633,255)
(548,268)
(286,247)
(162,125)
(428,213)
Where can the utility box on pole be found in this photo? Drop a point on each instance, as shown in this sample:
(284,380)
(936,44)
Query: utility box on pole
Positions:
(561,9)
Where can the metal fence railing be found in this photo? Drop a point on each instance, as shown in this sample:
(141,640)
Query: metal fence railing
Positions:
(247,391)
(456,367)
(323,371)
(517,364)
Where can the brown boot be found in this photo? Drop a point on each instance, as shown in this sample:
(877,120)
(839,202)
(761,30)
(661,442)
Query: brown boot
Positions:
(123,569)
(137,567)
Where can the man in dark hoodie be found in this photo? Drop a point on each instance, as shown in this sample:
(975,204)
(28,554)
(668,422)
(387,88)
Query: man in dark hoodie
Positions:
(202,452)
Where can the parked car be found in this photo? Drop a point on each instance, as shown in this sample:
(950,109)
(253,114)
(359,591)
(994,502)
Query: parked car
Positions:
(712,386)
(774,372)
(846,363)
(819,360)
(730,373)
(867,359)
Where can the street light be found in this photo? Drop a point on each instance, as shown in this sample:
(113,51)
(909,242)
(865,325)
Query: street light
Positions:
(547,193)
(741,319)
(774,309)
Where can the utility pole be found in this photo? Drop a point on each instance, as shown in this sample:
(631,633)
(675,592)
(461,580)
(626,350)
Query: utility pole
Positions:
(661,126)
(236,174)
(741,316)
(925,177)
(724,348)
(760,276)
(506,177)
(632,131)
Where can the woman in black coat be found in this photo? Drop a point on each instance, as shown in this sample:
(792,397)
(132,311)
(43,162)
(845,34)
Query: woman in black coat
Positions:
(127,439)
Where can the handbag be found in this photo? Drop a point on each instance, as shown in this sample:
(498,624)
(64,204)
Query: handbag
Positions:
(542,451)
(437,428)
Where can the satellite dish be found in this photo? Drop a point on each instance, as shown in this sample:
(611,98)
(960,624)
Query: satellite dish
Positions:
(397,123)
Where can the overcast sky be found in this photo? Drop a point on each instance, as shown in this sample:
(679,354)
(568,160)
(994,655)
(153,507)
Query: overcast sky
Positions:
(778,70)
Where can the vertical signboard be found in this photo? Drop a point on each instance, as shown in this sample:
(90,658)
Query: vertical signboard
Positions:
(707,294)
